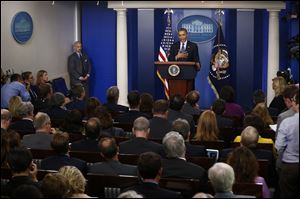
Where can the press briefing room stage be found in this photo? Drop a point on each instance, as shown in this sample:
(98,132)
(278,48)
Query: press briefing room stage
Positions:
(150,99)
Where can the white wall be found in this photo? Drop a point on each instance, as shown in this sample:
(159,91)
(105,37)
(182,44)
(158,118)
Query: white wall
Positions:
(54,31)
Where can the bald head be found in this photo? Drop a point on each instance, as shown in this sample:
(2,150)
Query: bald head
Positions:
(108,148)
(249,137)
(5,118)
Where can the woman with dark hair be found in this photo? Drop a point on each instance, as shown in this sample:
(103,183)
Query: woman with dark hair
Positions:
(9,141)
(146,104)
(245,166)
(106,123)
(232,109)
(91,105)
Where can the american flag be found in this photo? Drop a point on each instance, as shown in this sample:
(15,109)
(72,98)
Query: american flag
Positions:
(164,49)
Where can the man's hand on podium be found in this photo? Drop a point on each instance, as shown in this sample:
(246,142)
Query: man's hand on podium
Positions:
(198,66)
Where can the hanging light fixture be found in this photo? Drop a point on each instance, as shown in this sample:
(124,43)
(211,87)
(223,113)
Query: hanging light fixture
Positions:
(53,2)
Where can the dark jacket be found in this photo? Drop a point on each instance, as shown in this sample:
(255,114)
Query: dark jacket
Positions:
(195,150)
(57,161)
(85,145)
(152,190)
(140,145)
(38,140)
(113,107)
(23,127)
(224,122)
(113,167)
(159,127)
(15,182)
(188,109)
(129,117)
(78,67)
(174,115)
(77,104)
(191,48)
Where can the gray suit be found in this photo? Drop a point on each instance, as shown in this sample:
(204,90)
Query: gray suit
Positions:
(79,67)
(37,141)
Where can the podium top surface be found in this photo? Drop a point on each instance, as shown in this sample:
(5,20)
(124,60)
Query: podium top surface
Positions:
(175,62)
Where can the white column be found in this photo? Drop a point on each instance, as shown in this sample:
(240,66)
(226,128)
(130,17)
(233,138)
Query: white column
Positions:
(122,64)
(273,52)
(77,22)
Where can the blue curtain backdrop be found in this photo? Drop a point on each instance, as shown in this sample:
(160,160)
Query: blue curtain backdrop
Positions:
(98,25)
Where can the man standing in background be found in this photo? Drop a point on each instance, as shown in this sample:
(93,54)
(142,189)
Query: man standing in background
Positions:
(79,68)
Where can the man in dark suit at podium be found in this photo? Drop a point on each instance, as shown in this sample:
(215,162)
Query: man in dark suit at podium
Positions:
(184,50)
(79,68)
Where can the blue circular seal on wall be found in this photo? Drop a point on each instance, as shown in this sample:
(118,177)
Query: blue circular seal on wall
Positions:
(22,27)
(200,28)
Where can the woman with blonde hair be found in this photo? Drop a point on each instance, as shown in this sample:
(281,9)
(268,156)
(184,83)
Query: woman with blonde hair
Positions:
(278,86)
(76,181)
(262,111)
(13,104)
(207,128)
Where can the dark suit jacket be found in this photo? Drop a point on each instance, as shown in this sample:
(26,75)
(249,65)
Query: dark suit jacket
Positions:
(37,141)
(195,150)
(78,67)
(129,117)
(191,48)
(23,127)
(224,122)
(159,127)
(152,190)
(56,113)
(77,104)
(178,168)
(41,104)
(113,167)
(140,145)
(113,132)
(15,182)
(174,115)
(85,145)
(116,107)
(57,161)
(188,109)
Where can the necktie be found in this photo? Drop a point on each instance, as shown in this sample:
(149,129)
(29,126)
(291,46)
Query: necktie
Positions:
(182,47)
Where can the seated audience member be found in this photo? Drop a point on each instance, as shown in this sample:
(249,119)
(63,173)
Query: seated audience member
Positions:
(112,97)
(14,88)
(78,99)
(130,194)
(60,145)
(146,104)
(278,86)
(182,126)
(207,128)
(159,124)
(262,111)
(249,139)
(221,176)
(106,123)
(9,141)
(32,89)
(13,105)
(133,113)
(57,111)
(27,191)
(150,170)
(140,143)
(91,105)
(191,106)
(255,121)
(24,171)
(42,78)
(287,145)
(232,109)
(258,97)
(218,108)
(25,125)
(55,185)
(111,165)
(42,137)
(245,166)
(176,103)
(288,94)
(175,164)
(5,119)
(90,142)
(72,122)
(75,180)
(43,100)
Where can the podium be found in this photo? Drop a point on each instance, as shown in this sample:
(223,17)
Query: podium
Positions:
(180,76)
